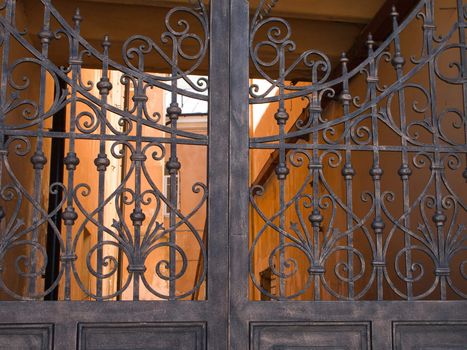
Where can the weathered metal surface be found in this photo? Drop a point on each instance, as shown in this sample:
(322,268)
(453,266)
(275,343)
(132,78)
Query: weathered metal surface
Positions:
(26,337)
(309,336)
(24,135)
(291,322)
(430,335)
(138,236)
(228,264)
(344,244)
(142,336)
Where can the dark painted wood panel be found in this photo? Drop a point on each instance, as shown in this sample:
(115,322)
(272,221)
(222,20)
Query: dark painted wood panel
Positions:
(310,348)
(26,337)
(381,315)
(144,336)
(430,335)
(311,336)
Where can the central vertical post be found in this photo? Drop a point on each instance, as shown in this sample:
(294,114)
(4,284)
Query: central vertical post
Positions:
(218,176)
(239,166)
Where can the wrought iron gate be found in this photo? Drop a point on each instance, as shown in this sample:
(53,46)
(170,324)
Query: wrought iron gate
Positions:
(91,167)
(356,237)
(358,213)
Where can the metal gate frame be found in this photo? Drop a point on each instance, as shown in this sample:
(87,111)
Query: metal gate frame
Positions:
(381,324)
(229,319)
(61,325)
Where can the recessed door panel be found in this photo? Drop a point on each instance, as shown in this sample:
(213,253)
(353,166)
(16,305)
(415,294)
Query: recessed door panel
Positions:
(142,336)
(430,335)
(311,336)
(26,337)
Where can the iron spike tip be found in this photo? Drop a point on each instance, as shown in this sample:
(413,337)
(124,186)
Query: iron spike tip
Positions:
(344,58)
(77,16)
(106,42)
(370,42)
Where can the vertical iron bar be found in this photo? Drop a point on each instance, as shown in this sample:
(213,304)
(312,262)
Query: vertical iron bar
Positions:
(376,172)
(137,215)
(39,159)
(173,166)
(71,160)
(102,162)
(9,16)
(462,40)
(56,176)
(124,164)
(281,171)
(238,199)
(348,173)
(218,240)
(404,171)
(437,167)
(315,217)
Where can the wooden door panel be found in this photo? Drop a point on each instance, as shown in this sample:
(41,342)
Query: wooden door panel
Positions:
(26,336)
(142,336)
(440,335)
(311,336)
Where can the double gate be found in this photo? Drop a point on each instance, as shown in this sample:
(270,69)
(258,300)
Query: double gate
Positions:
(131,221)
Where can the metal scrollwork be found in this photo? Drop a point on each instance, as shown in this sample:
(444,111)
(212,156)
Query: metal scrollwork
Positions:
(141,242)
(370,202)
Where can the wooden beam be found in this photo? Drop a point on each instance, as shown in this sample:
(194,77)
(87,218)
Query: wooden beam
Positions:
(360,11)
(380,28)
(347,11)
(149,3)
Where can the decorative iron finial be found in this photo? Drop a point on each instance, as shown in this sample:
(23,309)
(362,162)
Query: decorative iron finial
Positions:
(106,43)
(344,59)
(370,42)
(267,8)
(77,18)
